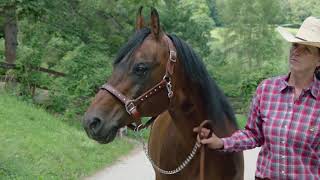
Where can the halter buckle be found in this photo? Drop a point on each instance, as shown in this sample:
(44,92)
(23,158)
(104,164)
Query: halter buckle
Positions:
(173,56)
(130,107)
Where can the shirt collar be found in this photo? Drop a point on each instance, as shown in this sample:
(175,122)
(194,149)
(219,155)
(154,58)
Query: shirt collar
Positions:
(284,82)
(314,86)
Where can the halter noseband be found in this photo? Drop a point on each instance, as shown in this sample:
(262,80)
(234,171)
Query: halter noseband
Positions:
(132,104)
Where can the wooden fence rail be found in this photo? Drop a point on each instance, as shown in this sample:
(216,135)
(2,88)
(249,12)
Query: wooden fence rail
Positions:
(14,79)
(40,69)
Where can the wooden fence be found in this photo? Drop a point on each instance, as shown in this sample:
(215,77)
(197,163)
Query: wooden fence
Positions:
(8,78)
(39,69)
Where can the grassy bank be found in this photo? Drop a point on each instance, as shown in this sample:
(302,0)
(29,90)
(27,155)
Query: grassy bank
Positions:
(36,145)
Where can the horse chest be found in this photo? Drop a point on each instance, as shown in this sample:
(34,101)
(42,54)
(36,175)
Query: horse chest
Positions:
(167,151)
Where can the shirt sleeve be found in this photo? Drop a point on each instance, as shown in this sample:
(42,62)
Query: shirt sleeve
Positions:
(252,135)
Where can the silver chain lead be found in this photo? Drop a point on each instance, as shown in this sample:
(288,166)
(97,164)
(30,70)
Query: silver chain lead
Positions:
(180,167)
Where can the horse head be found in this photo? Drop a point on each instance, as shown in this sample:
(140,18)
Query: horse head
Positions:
(139,84)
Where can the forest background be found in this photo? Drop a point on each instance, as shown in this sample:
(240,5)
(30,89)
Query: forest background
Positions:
(235,38)
(80,38)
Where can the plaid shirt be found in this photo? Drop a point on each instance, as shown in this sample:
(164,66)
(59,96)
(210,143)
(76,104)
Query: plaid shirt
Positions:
(287,129)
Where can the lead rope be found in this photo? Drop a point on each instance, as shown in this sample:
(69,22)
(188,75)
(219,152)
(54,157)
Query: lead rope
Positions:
(202,158)
(203,149)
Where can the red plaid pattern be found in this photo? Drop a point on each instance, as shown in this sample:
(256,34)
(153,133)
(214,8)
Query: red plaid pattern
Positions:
(287,130)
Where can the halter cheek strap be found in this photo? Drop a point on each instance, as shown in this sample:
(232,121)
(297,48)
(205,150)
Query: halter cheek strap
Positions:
(131,105)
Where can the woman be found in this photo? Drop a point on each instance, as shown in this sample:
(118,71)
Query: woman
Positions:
(284,117)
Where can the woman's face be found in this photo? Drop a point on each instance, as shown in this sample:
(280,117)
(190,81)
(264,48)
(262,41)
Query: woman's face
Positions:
(303,58)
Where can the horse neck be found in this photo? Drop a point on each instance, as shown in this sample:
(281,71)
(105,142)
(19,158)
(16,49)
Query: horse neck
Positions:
(187,111)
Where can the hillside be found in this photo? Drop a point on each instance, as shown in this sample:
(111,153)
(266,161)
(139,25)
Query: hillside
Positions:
(36,145)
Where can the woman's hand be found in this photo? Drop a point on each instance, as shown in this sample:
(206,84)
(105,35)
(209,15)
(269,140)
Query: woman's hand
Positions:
(213,142)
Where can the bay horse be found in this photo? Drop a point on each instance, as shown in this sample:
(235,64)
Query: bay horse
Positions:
(160,75)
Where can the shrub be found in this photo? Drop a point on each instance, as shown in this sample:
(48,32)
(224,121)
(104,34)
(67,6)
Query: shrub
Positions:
(86,69)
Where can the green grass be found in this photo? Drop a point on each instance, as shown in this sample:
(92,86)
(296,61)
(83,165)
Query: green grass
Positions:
(292,30)
(36,145)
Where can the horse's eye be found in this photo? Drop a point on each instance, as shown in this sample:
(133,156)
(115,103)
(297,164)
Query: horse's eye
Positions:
(140,69)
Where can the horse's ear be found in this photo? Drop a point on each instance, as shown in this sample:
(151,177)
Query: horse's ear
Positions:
(139,20)
(155,23)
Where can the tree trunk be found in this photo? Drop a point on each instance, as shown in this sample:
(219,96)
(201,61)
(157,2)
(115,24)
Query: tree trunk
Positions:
(1,23)
(10,34)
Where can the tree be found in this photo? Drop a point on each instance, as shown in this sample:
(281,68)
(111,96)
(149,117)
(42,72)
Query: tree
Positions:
(1,22)
(212,4)
(249,48)
(189,19)
(250,37)
(10,10)
(297,11)
(10,33)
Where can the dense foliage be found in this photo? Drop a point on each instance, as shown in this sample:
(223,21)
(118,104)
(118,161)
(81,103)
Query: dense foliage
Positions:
(250,48)
(81,38)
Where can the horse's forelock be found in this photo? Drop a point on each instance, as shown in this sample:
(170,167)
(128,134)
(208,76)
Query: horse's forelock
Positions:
(134,42)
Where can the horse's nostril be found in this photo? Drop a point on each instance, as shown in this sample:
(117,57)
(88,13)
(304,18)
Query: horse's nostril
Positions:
(94,123)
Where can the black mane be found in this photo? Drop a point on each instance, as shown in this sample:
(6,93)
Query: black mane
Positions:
(215,101)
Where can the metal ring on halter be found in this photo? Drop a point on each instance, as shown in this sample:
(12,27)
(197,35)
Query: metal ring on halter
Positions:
(166,78)
(136,129)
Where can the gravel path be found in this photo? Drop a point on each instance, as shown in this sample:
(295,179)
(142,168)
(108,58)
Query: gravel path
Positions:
(250,159)
(135,166)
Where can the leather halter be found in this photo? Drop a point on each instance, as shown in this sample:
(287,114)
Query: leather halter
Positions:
(131,105)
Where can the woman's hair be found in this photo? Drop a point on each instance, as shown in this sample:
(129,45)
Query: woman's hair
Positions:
(317,71)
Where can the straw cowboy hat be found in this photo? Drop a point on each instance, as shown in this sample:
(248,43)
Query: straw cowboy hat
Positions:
(308,34)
